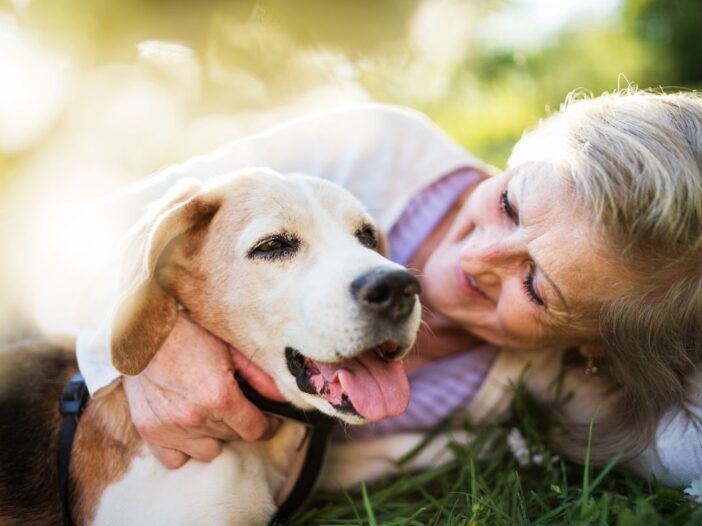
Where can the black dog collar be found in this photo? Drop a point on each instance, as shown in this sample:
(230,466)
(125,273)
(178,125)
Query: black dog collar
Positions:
(75,396)
(73,400)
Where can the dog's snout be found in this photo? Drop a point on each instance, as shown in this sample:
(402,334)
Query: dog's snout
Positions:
(387,292)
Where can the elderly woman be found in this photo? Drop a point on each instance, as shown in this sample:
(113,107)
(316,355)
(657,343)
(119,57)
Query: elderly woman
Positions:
(583,256)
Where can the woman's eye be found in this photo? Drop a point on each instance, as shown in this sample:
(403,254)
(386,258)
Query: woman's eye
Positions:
(507,207)
(275,247)
(367,236)
(530,289)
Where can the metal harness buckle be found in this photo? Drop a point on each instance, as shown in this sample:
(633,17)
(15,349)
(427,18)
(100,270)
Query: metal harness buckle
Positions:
(74,397)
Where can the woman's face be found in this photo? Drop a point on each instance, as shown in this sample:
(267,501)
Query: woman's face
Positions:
(519,266)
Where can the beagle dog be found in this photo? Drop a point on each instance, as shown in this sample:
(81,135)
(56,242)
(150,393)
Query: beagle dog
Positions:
(287,269)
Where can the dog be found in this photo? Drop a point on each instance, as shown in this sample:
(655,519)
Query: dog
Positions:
(287,269)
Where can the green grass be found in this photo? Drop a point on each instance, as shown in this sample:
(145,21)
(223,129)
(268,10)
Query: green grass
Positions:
(496,491)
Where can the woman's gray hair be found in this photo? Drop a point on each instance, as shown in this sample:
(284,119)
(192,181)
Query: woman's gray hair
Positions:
(634,159)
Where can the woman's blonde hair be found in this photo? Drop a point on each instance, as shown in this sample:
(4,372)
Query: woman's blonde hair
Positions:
(634,159)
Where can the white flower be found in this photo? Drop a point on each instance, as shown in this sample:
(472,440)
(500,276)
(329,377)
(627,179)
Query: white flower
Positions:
(518,446)
(695,490)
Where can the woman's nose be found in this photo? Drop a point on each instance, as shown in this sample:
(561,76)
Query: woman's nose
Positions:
(490,253)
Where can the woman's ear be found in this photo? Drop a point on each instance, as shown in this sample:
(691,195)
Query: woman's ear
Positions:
(591,351)
(146,313)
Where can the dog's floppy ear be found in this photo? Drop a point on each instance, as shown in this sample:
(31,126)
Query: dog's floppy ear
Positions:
(146,313)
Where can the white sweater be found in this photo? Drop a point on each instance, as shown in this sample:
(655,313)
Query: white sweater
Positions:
(384,155)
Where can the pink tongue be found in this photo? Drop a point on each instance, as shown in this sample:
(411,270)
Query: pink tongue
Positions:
(376,389)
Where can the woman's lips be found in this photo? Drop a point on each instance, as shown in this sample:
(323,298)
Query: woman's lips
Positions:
(468,285)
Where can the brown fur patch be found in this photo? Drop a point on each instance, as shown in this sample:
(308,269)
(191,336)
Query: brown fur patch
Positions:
(32,376)
(383,247)
(193,267)
(105,445)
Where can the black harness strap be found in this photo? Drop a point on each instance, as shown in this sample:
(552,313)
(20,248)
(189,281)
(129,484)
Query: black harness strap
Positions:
(73,399)
(320,425)
(75,396)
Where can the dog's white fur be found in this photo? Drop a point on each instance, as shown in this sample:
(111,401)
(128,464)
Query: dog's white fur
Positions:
(194,250)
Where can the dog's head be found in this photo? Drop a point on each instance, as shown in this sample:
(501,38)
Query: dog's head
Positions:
(288,269)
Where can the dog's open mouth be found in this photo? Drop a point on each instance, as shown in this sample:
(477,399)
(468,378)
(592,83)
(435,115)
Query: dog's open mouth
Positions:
(368,385)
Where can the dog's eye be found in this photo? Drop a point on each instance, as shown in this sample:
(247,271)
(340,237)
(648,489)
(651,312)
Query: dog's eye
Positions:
(275,247)
(367,236)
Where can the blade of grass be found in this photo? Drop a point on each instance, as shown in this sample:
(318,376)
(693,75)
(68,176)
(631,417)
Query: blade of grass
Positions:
(602,474)
(586,472)
(367,505)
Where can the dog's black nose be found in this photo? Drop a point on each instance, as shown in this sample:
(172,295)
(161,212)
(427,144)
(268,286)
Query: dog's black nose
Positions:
(389,293)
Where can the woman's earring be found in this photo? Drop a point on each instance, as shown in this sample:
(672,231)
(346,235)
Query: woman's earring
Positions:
(590,367)
(588,353)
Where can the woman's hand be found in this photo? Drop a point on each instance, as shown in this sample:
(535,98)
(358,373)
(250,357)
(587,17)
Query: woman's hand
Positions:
(187,399)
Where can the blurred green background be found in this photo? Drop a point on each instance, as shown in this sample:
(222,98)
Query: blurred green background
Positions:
(96,93)
(484,70)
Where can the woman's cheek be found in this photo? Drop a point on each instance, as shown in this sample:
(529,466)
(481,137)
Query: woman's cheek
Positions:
(517,325)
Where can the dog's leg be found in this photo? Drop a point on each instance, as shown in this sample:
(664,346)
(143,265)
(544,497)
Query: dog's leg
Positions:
(349,463)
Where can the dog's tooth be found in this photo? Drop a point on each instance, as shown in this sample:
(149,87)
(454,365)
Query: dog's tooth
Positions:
(341,382)
(379,352)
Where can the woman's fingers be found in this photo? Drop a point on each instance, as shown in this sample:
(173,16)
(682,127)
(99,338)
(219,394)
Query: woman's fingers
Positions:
(255,376)
(204,449)
(218,430)
(245,418)
(187,399)
(170,458)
